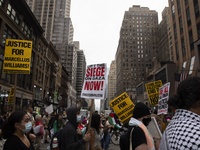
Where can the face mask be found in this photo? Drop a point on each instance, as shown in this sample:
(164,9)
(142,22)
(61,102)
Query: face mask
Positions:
(78,119)
(28,127)
(146,121)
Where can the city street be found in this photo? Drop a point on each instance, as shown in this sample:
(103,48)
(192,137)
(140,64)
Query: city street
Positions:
(112,147)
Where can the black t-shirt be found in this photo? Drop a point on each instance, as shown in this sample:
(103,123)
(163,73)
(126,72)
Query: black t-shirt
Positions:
(138,137)
(13,142)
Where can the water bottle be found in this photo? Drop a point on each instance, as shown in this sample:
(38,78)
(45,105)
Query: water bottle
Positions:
(55,144)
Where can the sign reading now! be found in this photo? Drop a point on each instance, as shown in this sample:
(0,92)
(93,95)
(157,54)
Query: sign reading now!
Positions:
(17,56)
(153,91)
(94,82)
(123,107)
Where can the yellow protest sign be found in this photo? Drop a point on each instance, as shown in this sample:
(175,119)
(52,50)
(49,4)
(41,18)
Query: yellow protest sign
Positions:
(153,91)
(17,56)
(11,96)
(123,107)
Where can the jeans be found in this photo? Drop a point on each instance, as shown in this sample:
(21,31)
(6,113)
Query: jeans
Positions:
(106,141)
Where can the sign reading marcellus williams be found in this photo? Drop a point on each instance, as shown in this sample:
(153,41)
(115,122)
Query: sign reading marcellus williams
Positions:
(17,56)
(95,82)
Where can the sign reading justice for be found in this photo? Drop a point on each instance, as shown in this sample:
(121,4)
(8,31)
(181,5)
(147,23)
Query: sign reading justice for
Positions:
(17,56)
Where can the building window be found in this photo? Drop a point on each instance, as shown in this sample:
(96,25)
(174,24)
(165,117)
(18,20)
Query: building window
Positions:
(191,65)
(175,31)
(181,25)
(161,76)
(198,29)
(39,47)
(44,54)
(36,73)
(34,39)
(186,2)
(184,65)
(177,52)
(26,29)
(188,16)
(37,59)
(13,14)
(8,34)
(139,89)
(191,39)
(183,46)
(196,8)
(173,12)
(179,6)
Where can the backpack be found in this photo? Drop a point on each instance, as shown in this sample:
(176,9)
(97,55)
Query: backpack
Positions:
(124,140)
(57,135)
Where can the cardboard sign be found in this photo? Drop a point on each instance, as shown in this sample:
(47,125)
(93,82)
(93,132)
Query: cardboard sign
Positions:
(123,107)
(49,109)
(94,82)
(154,129)
(17,56)
(153,91)
(11,96)
(163,98)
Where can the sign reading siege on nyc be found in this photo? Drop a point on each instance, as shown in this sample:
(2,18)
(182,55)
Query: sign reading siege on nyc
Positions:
(94,82)
(123,107)
(153,91)
(17,56)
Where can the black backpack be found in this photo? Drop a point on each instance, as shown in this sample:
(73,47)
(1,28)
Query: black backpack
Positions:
(57,135)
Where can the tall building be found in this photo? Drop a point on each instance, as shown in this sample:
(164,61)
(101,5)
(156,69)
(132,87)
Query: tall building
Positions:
(137,46)
(54,17)
(165,48)
(185,24)
(112,78)
(81,67)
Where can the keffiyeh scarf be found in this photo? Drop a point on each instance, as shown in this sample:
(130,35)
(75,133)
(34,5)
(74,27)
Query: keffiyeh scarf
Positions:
(183,132)
(150,142)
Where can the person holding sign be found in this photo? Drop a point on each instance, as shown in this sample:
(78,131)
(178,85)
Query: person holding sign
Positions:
(141,138)
(183,131)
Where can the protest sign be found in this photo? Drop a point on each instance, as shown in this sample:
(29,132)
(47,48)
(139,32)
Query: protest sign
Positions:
(153,91)
(94,82)
(123,107)
(154,129)
(11,96)
(49,109)
(163,98)
(17,56)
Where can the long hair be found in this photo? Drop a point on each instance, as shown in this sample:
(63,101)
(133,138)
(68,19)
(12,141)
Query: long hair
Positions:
(95,122)
(187,94)
(8,127)
(56,118)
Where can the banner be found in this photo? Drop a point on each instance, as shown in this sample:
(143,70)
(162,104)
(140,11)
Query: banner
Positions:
(163,98)
(11,96)
(153,91)
(123,107)
(94,82)
(17,56)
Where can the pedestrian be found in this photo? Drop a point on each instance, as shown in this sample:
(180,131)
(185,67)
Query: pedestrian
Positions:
(183,131)
(64,117)
(30,114)
(15,130)
(141,138)
(57,123)
(40,134)
(69,137)
(94,143)
(45,121)
(107,137)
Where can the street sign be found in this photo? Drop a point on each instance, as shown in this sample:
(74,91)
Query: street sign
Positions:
(17,56)
(11,96)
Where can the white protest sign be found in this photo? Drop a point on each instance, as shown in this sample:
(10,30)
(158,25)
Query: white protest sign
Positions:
(163,98)
(94,82)
(154,129)
(49,109)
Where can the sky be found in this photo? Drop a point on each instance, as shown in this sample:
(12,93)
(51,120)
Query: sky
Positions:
(97,26)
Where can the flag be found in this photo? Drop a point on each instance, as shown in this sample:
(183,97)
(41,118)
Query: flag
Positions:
(112,121)
(179,78)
